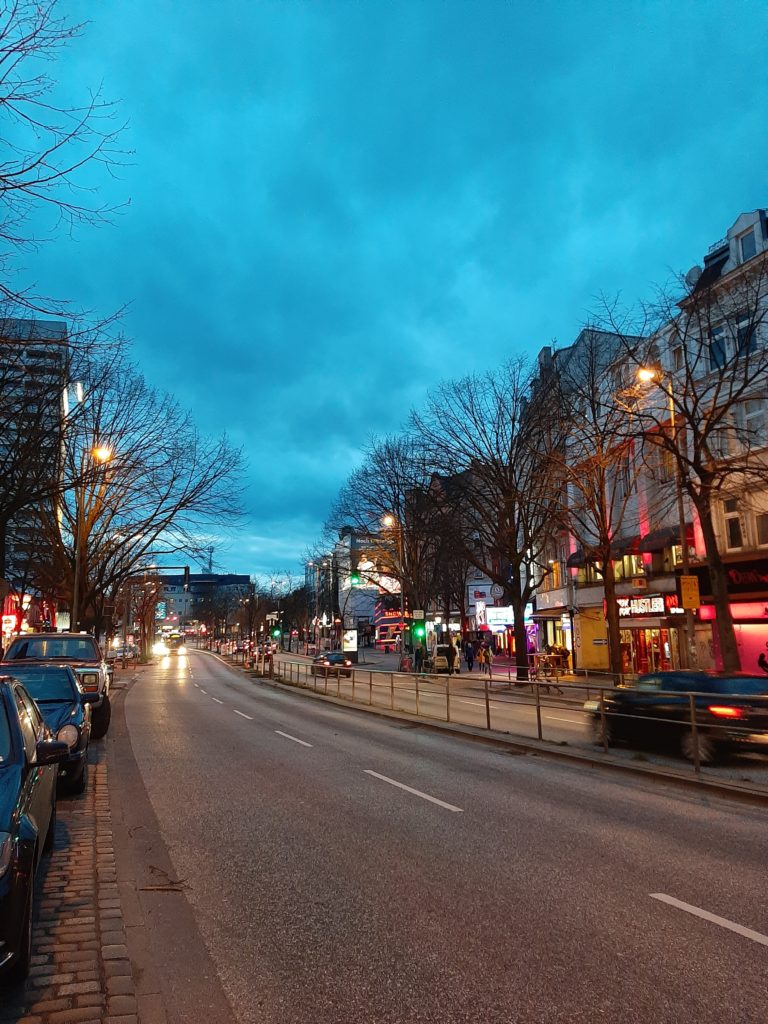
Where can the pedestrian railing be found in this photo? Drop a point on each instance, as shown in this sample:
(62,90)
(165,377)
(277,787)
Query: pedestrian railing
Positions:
(530,710)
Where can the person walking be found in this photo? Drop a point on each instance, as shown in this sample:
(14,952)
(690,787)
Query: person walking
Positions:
(489,660)
(469,655)
(418,658)
(481,657)
(451,656)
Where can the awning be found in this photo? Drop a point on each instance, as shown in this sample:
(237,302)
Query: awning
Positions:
(576,559)
(621,546)
(666,537)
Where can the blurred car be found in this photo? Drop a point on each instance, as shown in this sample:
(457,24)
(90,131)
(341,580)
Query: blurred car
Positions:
(440,659)
(731,712)
(66,709)
(121,651)
(176,645)
(331,663)
(81,652)
(29,756)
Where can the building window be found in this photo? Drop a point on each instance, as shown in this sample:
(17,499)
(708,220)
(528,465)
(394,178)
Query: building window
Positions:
(749,418)
(748,246)
(677,358)
(733,533)
(761,521)
(718,348)
(744,334)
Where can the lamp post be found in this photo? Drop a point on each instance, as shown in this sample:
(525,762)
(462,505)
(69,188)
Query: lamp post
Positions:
(394,523)
(102,455)
(649,375)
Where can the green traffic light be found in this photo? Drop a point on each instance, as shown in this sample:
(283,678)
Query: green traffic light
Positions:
(354,579)
(419,630)
(275,632)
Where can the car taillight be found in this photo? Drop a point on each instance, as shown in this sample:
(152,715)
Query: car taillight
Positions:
(725,711)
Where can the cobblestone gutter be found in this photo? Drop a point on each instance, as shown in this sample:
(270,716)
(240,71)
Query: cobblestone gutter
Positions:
(80,972)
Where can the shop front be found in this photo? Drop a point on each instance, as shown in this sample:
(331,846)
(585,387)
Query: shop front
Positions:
(748,586)
(651,627)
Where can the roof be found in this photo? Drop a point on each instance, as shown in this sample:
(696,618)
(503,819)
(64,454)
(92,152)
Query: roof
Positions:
(15,329)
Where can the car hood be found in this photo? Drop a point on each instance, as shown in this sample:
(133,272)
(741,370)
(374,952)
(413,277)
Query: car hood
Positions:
(10,784)
(61,713)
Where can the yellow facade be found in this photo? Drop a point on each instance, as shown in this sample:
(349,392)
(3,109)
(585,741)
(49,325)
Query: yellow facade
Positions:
(591,639)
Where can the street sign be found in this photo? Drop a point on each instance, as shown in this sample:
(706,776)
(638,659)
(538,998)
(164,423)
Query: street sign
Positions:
(497,590)
(349,640)
(689,592)
(417,613)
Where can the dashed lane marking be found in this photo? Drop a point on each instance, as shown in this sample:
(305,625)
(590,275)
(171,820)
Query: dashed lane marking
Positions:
(748,933)
(416,792)
(203,691)
(289,737)
(242,714)
(217,700)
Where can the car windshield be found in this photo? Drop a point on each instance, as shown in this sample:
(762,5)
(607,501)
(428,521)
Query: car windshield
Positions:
(54,648)
(5,736)
(46,684)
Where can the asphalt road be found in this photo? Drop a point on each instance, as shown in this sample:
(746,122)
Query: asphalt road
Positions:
(342,868)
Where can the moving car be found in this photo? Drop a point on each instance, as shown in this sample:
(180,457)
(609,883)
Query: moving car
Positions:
(731,712)
(29,756)
(66,709)
(440,659)
(81,652)
(332,663)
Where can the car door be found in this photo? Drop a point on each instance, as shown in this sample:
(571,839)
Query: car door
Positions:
(39,780)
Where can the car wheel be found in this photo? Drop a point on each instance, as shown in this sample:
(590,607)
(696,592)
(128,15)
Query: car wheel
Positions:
(707,747)
(50,839)
(100,719)
(79,784)
(18,966)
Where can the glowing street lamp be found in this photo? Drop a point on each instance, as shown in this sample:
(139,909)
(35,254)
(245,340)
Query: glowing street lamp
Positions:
(101,454)
(391,522)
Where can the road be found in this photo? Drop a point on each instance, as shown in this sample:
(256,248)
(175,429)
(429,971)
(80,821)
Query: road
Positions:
(343,868)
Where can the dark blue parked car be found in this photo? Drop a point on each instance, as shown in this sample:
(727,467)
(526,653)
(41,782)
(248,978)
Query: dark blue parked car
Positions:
(29,758)
(66,708)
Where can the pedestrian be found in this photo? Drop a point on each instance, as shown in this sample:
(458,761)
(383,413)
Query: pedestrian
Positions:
(469,655)
(481,657)
(489,660)
(451,656)
(418,658)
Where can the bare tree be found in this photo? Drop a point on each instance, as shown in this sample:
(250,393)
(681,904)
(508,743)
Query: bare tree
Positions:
(492,479)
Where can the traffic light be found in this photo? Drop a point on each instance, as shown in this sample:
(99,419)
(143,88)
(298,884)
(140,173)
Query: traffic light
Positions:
(419,630)
(276,632)
(354,578)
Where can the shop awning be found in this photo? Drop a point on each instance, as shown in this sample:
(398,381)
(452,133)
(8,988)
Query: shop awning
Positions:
(576,560)
(621,546)
(666,537)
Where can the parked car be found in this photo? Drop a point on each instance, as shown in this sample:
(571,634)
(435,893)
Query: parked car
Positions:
(332,663)
(440,659)
(81,652)
(731,712)
(29,756)
(66,709)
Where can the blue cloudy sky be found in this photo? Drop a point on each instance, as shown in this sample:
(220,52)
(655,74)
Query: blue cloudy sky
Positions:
(333,204)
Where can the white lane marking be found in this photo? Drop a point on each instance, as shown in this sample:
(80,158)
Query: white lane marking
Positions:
(416,792)
(242,715)
(203,691)
(570,721)
(748,933)
(217,700)
(289,737)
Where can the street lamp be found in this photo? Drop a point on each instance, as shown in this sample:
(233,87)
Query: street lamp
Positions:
(391,522)
(101,454)
(650,375)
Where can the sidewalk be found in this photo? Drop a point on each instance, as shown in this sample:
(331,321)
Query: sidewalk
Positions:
(80,971)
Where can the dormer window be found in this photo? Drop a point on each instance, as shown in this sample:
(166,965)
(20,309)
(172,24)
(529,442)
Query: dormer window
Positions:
(747,245)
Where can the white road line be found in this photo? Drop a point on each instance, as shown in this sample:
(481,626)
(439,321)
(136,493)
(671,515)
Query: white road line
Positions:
(289,737)
(416,792)
(242,715)
(217,700)
(554,718)
(748,933)
(203,691)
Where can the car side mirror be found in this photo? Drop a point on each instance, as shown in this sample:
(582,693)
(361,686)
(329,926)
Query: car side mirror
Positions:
(89,698)
(51,752)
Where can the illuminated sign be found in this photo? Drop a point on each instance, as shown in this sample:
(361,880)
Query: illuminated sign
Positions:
(648,605)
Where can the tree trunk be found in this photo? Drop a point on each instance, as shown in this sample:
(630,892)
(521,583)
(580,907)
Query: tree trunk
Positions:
(517,602)
(612,618)
(726,635)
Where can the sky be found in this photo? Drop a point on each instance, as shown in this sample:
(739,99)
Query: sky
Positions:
(334,204)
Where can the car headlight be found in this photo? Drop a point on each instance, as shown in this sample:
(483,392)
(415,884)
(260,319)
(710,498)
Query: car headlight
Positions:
(160,648)
(5,852)
(70,735)
(181,650)
(90,681)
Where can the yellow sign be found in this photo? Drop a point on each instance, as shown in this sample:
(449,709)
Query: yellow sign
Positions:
(689,592)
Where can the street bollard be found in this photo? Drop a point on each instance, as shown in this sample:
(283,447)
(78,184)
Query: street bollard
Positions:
(487,705)
(391,691)
(537,690)
(694,734)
